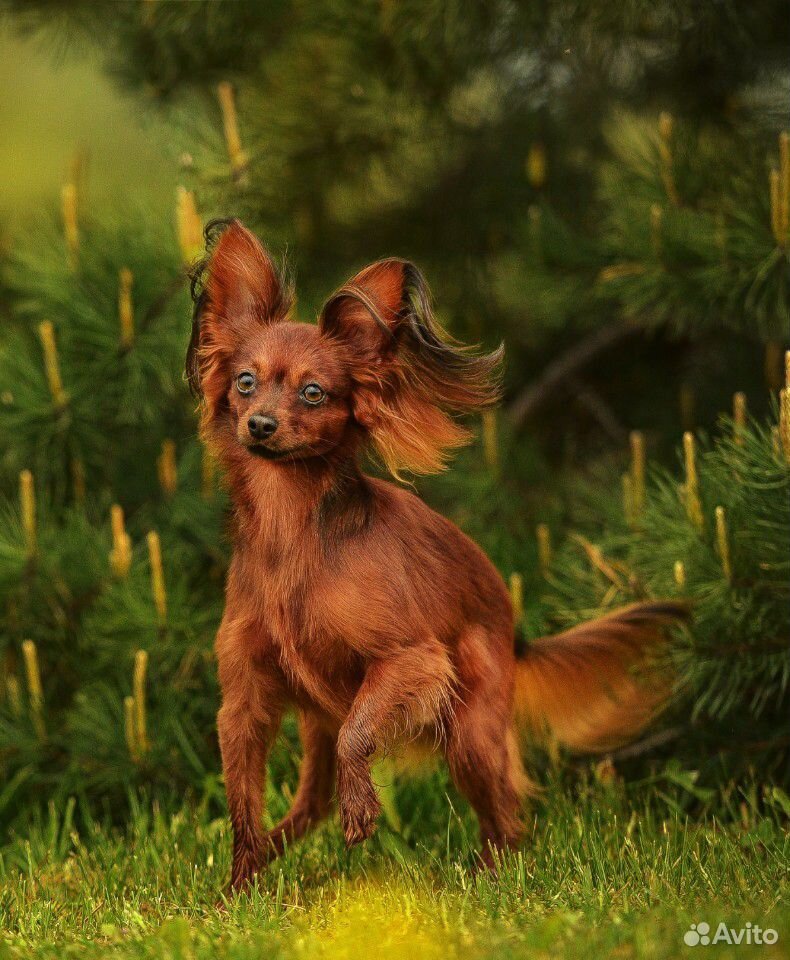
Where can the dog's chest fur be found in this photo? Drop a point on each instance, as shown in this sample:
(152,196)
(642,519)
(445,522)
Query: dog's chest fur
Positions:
(291,564)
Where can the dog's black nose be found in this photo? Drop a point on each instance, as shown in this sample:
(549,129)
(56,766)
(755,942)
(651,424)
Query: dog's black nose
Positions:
(261,427)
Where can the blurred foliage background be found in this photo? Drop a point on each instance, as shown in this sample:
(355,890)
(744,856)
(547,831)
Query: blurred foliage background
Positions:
(59,109)
(606,188)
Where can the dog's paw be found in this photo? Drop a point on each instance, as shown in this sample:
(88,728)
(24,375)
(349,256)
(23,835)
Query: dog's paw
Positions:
(359,811)
(359,822)
(244,873)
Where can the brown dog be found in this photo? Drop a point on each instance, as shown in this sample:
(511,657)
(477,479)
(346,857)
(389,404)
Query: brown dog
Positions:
(347,597)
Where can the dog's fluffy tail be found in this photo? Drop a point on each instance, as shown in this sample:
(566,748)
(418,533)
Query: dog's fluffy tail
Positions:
(581,687)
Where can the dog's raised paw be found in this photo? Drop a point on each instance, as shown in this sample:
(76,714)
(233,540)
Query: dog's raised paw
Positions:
(359,826)
(359,817)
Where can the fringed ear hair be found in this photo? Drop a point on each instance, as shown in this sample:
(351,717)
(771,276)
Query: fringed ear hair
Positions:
(236,290)
(410,376)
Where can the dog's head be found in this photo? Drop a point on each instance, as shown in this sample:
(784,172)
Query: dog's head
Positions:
(376,366)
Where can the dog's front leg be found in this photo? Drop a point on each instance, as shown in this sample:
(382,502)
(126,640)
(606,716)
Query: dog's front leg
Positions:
(247,723)
(399,694)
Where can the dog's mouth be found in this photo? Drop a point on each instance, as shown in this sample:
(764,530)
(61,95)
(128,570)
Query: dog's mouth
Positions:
(268,453)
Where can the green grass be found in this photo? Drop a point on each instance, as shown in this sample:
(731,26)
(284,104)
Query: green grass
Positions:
(606,873)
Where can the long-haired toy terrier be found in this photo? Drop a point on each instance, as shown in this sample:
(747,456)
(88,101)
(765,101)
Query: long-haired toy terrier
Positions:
(348,598)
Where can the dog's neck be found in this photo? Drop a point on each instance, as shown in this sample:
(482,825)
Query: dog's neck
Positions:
(326,497)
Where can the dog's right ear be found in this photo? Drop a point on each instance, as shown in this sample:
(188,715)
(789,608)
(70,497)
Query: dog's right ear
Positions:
(237,290)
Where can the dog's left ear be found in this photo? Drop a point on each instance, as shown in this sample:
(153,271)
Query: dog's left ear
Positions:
(367,310)
(237,290)
(409,375)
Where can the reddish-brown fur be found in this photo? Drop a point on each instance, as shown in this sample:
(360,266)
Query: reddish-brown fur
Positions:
(347,597)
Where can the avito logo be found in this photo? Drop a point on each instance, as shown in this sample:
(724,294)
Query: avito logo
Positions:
(699,935)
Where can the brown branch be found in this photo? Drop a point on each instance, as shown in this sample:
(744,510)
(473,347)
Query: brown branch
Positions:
(565,366)
(599,409)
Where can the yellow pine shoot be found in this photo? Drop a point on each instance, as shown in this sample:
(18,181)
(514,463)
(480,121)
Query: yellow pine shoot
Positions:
(128,728)
(536,165)
(693,503)
(71,229)
(723,543)
(157,576)
(27,508)
(680,574)
(543,535)
(167,468)
(140,725)
(517,597)
(14,695)
(46,333)
(230,123)
(490,440)
(117,524)
(739,417)
(121,553)
(126,307)
(666,125)
(34,689)
(638,465)
(190,228)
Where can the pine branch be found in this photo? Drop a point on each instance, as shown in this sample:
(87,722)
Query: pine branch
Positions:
(529,400)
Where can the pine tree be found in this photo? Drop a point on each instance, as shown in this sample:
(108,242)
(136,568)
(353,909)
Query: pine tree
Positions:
(113,520)
(602,186)
(718,535)
(550,168)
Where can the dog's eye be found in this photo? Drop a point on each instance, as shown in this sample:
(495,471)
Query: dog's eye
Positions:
(312,393)
(245,382)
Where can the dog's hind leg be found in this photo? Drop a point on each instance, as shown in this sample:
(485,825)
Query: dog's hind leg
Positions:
(481,764)
(481,748)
